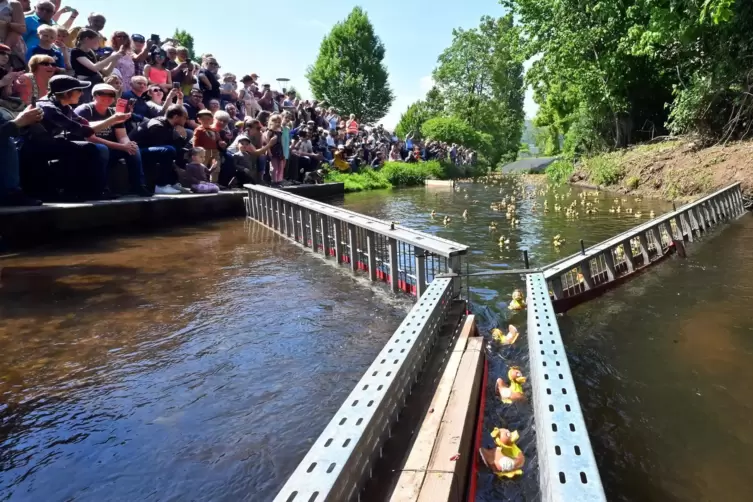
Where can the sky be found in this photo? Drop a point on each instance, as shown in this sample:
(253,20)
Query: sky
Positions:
(245,39)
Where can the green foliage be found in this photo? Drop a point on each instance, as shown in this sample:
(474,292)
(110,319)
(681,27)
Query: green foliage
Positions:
(394,174)
(367,179)
(559,171)
(603,170)
(611,68)
(632,182)
(412,120)
(186,40)
(480,77)
(349,72)
(455,130)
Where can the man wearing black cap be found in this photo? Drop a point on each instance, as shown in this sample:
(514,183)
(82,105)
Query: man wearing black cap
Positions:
(81,171)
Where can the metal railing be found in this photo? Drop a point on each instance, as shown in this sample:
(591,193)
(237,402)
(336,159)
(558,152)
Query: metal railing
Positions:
(621,255)
(341,459)
(567,467)
(406,259)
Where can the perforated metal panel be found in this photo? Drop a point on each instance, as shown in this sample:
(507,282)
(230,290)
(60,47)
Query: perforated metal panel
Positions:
(567,467)
(340,460)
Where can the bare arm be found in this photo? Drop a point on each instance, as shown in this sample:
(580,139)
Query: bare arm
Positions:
(117,118)
(100,65)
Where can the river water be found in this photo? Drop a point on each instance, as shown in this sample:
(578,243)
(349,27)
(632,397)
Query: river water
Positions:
(200,364)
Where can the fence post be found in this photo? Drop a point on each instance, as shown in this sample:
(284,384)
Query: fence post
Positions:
(644,248)
(685,218)
(325,234)
(302,226)
(352,242)
(312,226)
(371,251)
(557,287)
(394,267)
(657,239)
(420,256)
(609,261)
(455,266)
(700,218)
(628,252)
(278,215)
(339,241)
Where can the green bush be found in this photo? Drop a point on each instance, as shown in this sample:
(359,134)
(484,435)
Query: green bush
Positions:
(367,179)
(632,182)
(395,174)
(603,170)
(559,171)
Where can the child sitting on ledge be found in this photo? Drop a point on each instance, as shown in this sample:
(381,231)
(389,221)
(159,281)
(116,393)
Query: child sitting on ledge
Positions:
(197,174)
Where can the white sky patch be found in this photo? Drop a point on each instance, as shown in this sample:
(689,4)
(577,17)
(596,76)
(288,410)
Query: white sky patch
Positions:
(426,83)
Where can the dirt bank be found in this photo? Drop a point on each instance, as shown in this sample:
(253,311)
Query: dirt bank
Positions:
(673,170)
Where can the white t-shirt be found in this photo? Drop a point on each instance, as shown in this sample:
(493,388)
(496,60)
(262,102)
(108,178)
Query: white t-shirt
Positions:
(305,146)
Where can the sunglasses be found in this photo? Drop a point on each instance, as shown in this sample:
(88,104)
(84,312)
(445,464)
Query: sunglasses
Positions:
(46,63)
(155,90)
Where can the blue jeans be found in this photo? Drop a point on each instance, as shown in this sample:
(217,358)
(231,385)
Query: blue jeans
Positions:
(133,164)
(9,177)
(160,159)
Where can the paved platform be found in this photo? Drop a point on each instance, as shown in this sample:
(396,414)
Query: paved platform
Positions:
(25,226)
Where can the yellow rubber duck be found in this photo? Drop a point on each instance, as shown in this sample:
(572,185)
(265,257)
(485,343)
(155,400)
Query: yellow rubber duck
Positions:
(510,338)
(652,214)
(447,220)
(518,301)
(433,213)
(506,460)
(513,392)
(465,214)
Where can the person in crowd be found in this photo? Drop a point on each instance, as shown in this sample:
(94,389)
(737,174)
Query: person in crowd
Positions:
(81,172)
(266,99)
(155,70)
(257,147)
(116,82)
(207,137)
(10,180)
(225,137)
(185,71)
(247,95)
(214,105)
(352,125)
(276,155)
(42,15)
(340,161)
(232,110)
(85,63)
(228,88)
(119,146)
(12,29)
(10,105)
(126,65)
(208,82)
(140,47)
(61,11)
(61,45)
(395,153)
(96,23)
(193,106)
(160,139)
(197,173)
(47,36)
(33,85)
(171,52)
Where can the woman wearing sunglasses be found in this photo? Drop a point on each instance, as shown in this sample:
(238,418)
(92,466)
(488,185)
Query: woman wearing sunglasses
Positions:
(33,85)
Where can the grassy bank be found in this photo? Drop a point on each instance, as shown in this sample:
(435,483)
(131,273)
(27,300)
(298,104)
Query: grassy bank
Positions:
(395,174)
(673,170)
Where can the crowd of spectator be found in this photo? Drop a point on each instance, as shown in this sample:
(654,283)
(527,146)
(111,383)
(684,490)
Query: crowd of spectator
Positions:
(75,104)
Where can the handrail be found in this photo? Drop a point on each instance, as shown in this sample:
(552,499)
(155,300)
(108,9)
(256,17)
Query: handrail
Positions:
(571,261)
(340,460)
(428,242)
(567,466)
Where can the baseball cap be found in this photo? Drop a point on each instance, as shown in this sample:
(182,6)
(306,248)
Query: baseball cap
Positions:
(138,38)
(64,83)
(103,88)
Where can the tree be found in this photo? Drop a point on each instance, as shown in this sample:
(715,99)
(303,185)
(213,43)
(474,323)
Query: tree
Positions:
(349,73)
(186,40)
(480,77)
(455,130)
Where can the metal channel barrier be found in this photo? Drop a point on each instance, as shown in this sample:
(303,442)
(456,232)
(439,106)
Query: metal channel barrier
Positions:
(406,259)
(341,459)
(567,467)
(628,251)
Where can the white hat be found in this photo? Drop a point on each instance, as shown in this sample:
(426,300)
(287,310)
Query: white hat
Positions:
(103,88)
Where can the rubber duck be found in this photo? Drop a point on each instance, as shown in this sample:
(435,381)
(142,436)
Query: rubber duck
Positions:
(638,214)
(513,392)
(447,220)
(558,241)
(510,338)
(518,301)
(433,213)
(465,214)
(652,214)
(506,460)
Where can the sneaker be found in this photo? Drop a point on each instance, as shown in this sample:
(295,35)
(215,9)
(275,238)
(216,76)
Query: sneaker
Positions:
(181,189)
(166,190)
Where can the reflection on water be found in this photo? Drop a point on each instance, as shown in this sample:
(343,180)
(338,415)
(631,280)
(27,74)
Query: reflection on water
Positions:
(192,365)
(662,364)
